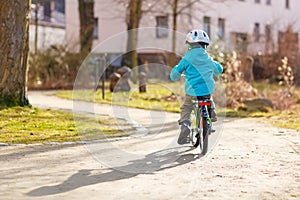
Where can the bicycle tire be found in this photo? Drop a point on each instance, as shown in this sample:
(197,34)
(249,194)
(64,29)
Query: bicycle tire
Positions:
(196,144)
(206,132)
(195,140)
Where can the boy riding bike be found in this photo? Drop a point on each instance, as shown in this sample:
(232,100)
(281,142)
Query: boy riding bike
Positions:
(199,69)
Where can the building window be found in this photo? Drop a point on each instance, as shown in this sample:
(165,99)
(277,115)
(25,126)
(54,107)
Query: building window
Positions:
(206,25)
(47,11)
(268,33)
(268,2)
(257,1)
(162,27)
(60,6)
(256,32)
(96,29)
(221,28)
(287,4)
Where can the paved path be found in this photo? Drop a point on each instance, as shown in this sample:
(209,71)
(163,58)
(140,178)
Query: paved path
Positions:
(251,160)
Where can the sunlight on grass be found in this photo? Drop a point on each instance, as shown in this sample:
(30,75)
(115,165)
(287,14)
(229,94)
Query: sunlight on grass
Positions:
(166,97)
(33,125)
(289,120)
(157,97)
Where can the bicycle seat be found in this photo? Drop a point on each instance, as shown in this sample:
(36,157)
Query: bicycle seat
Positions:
(203,98)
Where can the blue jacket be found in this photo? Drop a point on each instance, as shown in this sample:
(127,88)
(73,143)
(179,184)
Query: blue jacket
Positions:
(199,69)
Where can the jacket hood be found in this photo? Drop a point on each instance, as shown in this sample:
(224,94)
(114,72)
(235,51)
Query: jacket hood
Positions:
(197,56)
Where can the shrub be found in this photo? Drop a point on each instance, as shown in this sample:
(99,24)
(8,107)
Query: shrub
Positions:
(53,69)
(237,89)
(284,99)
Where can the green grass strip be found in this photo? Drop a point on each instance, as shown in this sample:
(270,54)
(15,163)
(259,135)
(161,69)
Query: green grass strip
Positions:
(32,125)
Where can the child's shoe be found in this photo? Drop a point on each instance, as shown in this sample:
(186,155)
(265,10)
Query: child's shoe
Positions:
(213,115)
(184,132)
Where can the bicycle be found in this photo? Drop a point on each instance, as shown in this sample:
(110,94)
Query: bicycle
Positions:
(201,126)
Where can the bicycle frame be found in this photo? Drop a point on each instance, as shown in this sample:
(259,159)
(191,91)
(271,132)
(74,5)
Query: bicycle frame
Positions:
(202,127)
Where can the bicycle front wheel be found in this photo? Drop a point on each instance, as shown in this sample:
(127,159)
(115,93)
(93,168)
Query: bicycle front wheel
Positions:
(204,136)
(195,129)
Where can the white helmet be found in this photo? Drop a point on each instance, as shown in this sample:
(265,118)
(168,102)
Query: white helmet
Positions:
(196,36)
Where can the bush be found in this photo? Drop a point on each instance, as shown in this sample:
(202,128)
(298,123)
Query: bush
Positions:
(237,89)
(53,69)
(265,65)
(284,99)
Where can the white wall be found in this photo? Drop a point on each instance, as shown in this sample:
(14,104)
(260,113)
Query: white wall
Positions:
(111,22)
(239,16)
(47,36)
(72,25)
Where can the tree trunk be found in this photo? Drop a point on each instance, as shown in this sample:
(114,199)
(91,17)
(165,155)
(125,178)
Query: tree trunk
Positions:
(36,23)
(133,19)
(14,48)
(173,53)
(87,23)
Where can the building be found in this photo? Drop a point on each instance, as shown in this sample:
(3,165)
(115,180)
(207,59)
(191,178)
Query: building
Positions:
(51,28)
(252,25)
(246,25)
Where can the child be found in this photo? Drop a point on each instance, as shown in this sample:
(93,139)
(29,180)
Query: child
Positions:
(199,69)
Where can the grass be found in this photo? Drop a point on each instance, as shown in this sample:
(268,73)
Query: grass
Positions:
(32,125)
(264,88)
(163,97)
(287,120)
(157,97)
(290,120)
(284,119)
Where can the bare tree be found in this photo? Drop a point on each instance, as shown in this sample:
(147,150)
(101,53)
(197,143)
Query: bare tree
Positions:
(14,43)
(134,14)
(175,8)
(36,23)
(136,11)
(178,8)
(87,23)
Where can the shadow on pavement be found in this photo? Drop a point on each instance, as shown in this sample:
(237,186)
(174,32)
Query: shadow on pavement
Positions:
(156,161)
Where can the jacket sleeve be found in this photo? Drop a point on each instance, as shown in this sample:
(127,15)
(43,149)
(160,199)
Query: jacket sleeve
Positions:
(218,68)
(177,70)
